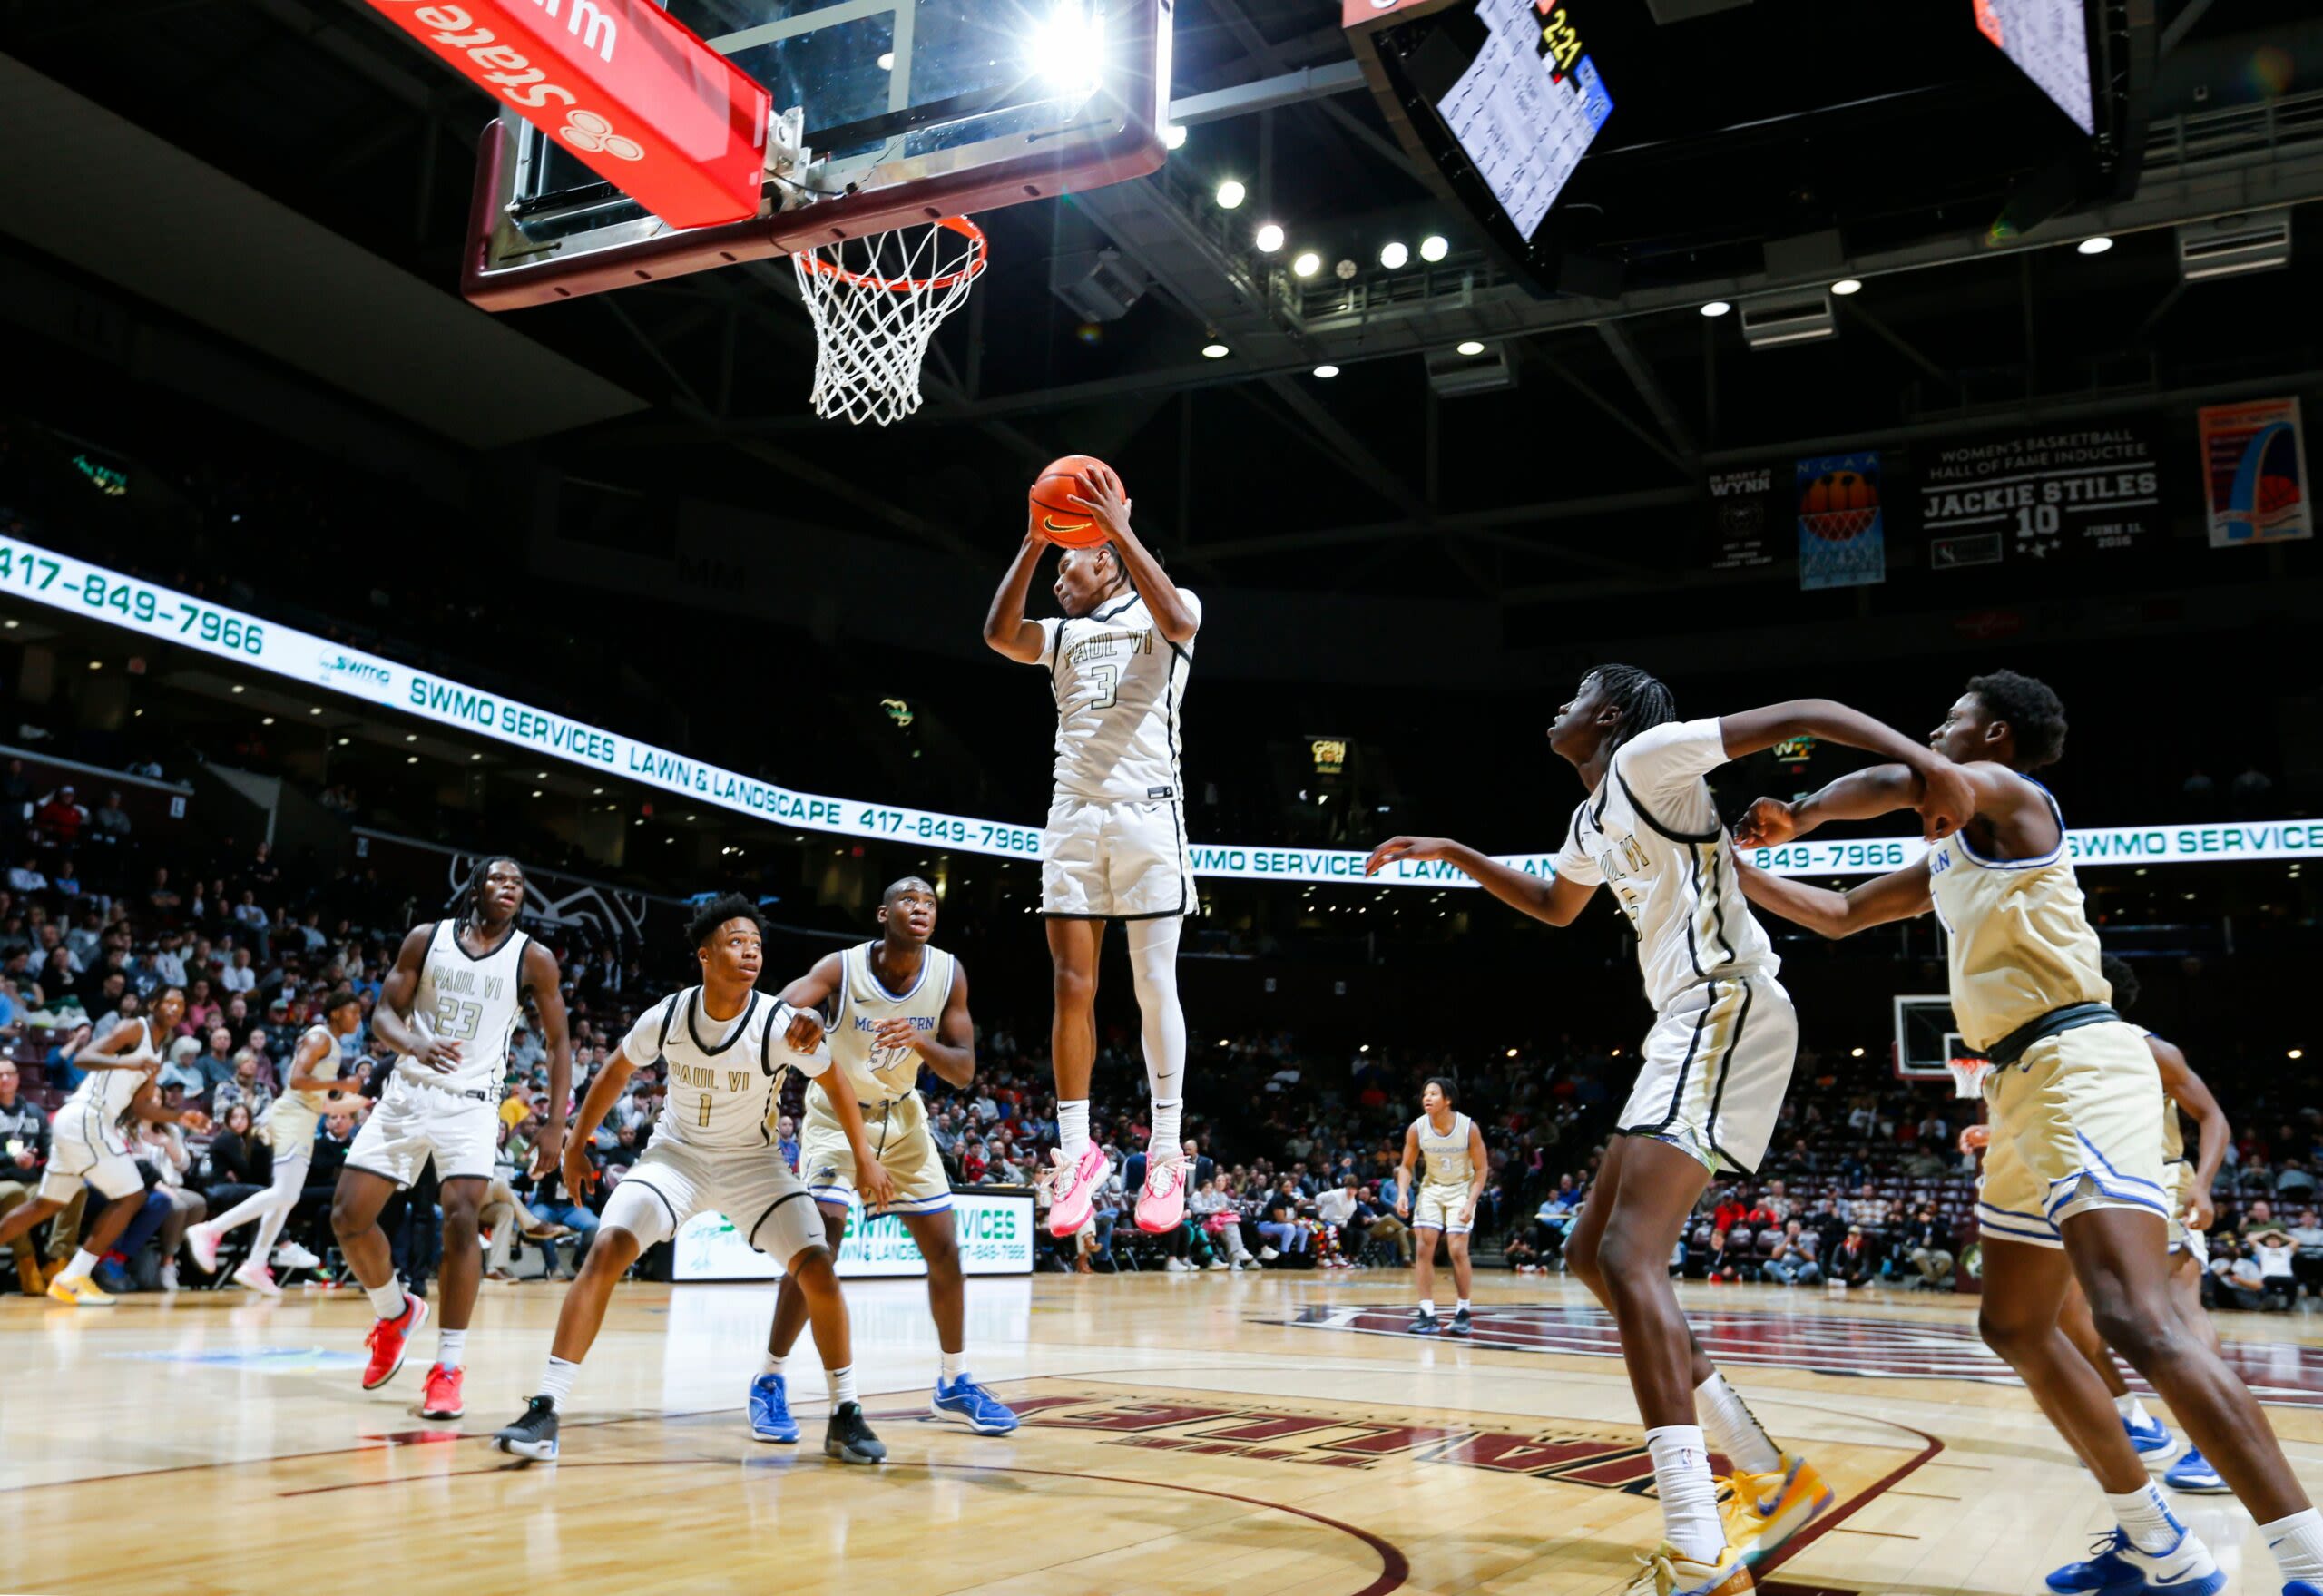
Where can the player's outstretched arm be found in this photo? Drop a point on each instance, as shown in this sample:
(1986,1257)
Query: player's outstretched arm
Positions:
(1005,630)
(391,1016)
(1859,795)
(1943,797)
(147,1106)
(1897,896)
(541,974)
(1108,505)
(951,1052)
(807,994)
(2191,1092)
(1404,1172)
(1556,901)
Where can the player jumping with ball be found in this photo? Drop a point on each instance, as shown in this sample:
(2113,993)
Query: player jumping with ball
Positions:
(1114,847)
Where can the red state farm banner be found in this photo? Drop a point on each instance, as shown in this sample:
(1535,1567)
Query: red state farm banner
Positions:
(647,106)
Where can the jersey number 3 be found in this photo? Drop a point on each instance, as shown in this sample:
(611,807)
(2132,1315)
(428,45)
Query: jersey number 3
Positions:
(1107,690)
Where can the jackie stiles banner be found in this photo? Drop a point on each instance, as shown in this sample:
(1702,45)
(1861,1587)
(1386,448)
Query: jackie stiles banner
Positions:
(1842,528)
(993,1229)
(75,587)
(2043,496)
(2254,473)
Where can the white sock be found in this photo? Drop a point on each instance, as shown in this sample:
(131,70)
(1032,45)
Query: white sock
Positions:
(2145,1518)
(451,1346)
(556,1380)
(1689,1495)
(955,1364)
(842,1384)
(1733,1428)
(386,1300)
(1165,1144)
(2297,1542)
(773,1365)
(1427,1305)
(1463,1304)
(1073,1129)
(2131,1410)
(84,1265)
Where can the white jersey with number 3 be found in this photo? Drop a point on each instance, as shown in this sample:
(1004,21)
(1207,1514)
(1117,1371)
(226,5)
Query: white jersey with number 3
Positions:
(1118,683)
(473,999)
(1652,836)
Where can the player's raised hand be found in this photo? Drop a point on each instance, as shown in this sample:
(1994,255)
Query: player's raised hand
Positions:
(193,1120)
(806,1032)
(1105,498)
(1766,824)
(1947,798)
(875,1185)
(1399,848)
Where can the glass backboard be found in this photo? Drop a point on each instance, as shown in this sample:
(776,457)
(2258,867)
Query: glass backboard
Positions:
(887,111)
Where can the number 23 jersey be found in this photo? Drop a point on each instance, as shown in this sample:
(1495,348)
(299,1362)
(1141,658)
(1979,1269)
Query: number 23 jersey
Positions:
(473,1000)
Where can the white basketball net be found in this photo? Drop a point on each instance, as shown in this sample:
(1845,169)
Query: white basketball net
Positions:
(1968,1075)
(876,303)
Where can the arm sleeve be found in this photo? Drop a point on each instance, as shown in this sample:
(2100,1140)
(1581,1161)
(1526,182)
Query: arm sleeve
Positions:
(1572,861)
(1194,604)
(1050,627)
(1672,756)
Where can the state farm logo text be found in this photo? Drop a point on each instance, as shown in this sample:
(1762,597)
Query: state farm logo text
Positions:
(499,66)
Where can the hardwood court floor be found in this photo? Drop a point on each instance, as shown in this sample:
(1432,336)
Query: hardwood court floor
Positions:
(1183,1434)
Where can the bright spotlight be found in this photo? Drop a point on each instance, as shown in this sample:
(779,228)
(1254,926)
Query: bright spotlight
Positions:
(1174,136)
(1392,255)
(1307,265)
(1215,351)
(1470,347)
(1326,371)
(1269,239)
(1848,285)
(1433,247)
(1716,307)
(1231,194)
(1068,50)
(2094,246)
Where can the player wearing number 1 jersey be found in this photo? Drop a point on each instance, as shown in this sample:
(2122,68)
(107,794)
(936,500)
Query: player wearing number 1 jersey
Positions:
(1114,847)
(1715,1066)
(447,1010)
(711,1152)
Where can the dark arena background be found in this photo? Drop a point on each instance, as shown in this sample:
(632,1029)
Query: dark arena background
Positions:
(396,474)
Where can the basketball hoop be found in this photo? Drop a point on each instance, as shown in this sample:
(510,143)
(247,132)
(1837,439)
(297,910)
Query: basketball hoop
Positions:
(876,303)
(1968,1075)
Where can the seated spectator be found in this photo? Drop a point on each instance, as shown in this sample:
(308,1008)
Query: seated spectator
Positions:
(1279,1224)
(2277,1275)
(1792,1261)
(1925,1245)
(1725,1265)
(245,1089)
(162,1148)
(1219,1217)
(1852,1263)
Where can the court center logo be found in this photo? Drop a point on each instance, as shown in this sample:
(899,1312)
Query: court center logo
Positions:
(587,131)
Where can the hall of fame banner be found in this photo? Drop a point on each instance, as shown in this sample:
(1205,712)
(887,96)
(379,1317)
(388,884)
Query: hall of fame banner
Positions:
(2042,496)
(1743,515)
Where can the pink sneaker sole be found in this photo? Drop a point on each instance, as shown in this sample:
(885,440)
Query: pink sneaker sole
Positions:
(1072,1203)
(1162,1211)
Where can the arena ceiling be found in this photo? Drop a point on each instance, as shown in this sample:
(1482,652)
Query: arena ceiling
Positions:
(1854,145)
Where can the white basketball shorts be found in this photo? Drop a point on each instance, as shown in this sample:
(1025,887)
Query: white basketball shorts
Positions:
(1102,859)
(1438,1207)
(753,1187)
(1717,1065)
(72,1160)
(412,1123)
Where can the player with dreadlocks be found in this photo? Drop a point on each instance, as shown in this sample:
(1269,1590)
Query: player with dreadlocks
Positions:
(446,1011)
(1715,1066)
(2073,1190)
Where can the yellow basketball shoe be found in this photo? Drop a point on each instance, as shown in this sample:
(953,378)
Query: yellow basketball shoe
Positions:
(79,1290)
(1667,1571)
(1762,1512)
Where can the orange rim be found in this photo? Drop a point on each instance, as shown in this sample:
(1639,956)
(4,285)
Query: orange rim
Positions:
(908,285)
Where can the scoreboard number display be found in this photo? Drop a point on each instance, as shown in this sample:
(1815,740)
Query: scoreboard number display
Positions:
(1528,106)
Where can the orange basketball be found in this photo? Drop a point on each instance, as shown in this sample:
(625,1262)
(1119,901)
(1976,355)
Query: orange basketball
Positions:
(1061,521)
